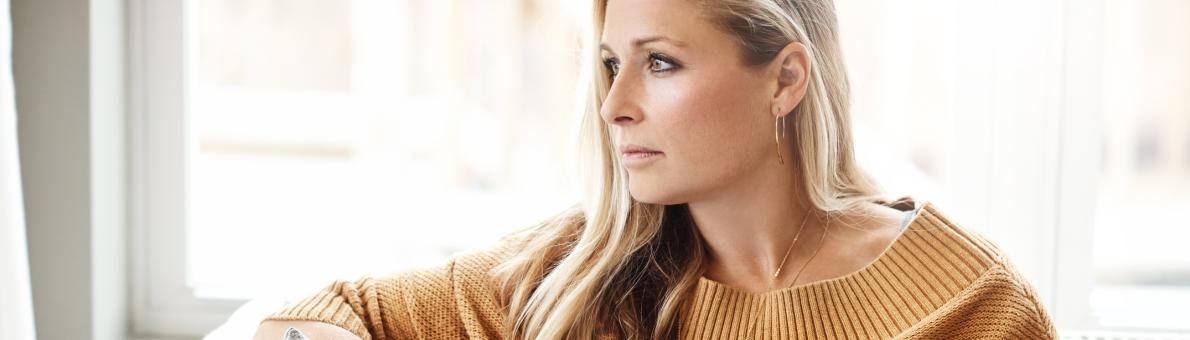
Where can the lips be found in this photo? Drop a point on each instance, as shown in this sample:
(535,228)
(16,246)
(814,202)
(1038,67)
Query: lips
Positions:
(637,157)
(632,149)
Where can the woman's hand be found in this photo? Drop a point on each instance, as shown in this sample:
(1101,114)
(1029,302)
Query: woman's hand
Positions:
(305,330)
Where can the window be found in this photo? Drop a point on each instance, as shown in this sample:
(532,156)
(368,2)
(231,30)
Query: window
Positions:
(284,144)
(359,128)
(1141,270)
(278,144)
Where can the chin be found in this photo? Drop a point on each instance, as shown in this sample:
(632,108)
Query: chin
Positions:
(654,194)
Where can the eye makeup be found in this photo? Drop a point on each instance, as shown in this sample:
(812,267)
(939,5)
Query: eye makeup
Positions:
(657,62)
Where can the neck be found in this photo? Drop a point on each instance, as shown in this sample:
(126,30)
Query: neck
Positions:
(749,227)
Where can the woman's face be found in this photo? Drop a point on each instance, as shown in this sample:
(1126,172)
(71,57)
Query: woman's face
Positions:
(681,88)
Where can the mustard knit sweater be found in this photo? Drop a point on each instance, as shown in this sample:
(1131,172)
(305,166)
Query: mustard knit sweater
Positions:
(936,281)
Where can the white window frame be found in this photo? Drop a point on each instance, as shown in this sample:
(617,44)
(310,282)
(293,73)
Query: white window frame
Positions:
(1059,210)
(1079,124)
(162,303)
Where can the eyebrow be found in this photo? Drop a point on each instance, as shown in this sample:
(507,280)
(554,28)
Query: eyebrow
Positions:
(645,40)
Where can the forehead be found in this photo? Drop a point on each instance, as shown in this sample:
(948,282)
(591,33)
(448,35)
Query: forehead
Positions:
(626,20)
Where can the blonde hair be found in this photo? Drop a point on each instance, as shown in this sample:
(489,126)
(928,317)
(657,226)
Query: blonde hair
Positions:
(613,266)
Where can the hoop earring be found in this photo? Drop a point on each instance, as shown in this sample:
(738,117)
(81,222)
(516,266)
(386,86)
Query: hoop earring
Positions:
(778,131)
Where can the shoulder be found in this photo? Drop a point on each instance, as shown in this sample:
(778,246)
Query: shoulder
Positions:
(933,232)
(934,255)
(987,294)
(940,241)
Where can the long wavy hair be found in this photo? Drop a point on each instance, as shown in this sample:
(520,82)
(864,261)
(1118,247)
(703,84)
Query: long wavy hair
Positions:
(613,266)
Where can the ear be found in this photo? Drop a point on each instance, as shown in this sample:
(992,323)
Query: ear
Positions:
(791,68)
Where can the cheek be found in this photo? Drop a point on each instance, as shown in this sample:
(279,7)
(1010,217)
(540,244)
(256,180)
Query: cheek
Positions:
(715,124)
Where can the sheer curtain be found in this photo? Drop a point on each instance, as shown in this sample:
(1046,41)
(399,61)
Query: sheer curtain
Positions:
(16,313)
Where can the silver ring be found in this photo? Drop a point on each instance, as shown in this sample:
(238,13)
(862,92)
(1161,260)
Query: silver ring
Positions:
(293,334)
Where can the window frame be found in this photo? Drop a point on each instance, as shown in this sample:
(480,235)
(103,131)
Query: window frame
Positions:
(162,303)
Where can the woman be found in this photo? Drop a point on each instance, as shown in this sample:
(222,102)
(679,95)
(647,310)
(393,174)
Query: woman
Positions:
(723,201)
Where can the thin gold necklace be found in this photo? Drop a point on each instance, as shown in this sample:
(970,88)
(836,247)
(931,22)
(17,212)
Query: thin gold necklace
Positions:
(800,227)
(765,296)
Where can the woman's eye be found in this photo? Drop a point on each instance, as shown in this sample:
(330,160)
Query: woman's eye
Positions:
(658,63)
(612,66)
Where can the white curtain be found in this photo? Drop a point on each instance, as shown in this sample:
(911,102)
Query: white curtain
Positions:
(16,308)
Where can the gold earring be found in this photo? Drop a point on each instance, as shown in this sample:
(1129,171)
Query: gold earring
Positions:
(778,130)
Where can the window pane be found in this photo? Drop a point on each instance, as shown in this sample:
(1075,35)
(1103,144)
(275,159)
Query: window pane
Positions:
(896,93)
(337,138)
(1142,263)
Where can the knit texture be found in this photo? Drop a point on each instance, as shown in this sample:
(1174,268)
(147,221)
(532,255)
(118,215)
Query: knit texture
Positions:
(937,280)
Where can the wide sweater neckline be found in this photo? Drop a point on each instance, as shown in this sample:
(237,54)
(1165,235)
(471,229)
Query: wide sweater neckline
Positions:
(931,262)
(900,204)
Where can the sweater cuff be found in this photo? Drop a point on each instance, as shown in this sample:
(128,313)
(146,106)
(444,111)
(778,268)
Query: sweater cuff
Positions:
(327,306)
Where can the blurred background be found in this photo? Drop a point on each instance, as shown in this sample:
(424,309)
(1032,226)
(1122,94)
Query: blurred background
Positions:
(186,165)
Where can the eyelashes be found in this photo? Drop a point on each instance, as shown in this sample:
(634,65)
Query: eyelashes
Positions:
(612,65)
(658,63)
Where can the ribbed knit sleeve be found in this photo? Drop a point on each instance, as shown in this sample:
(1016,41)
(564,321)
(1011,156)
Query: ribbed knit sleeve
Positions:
(349,305)
(454,301)
(414,304)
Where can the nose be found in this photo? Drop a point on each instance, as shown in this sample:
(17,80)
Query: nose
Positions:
(622,105)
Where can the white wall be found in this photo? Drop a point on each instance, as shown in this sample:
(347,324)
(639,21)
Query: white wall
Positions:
(68,73)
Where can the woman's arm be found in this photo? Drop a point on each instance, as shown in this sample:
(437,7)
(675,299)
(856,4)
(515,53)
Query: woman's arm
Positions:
(455,300)
(312,330)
